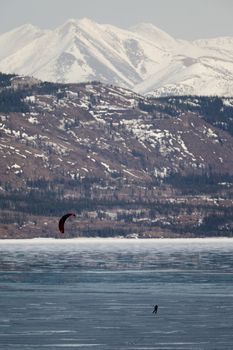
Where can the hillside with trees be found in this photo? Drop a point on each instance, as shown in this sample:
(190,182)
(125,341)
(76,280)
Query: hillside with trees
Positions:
(127,165)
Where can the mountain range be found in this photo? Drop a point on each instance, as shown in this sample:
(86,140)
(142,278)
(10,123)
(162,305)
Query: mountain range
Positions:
(143,58)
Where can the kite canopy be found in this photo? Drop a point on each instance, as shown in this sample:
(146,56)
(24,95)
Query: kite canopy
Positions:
(62,221)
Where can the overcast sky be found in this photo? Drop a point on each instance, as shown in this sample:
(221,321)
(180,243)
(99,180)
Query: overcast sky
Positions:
(184,19)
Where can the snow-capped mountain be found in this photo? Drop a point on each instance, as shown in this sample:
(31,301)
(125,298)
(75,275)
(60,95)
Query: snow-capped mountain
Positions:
(142,58)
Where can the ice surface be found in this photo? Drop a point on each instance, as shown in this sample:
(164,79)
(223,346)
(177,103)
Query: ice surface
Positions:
(99,293)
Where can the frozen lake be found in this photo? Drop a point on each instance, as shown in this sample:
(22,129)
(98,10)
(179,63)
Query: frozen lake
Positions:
(99,294)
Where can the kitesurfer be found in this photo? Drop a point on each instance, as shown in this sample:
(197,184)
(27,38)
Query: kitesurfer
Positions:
(155,309)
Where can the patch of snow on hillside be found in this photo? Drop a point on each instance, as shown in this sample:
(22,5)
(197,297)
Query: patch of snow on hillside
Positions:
(211,133)
(15,166)
(107,167)
(42,156)
(130,173)
(228,102)
(184,147)
(31,99)
(5,129)
(161,173)
(33,120)
(58,148)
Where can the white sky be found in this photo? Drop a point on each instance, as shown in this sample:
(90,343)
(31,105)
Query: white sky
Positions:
(183,19)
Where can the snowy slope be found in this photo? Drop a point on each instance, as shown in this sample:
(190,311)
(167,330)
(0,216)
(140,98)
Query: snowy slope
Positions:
(185,75)
(143,58)
(84,50)
(14,40)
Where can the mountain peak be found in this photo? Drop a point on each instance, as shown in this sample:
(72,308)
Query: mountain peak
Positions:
(68,26)
(25,28)
(71,22)
(150,31)
(87,22)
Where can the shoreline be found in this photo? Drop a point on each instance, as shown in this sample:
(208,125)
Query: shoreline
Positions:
(113,239)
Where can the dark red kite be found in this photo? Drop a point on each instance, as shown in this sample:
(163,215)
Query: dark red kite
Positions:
(62,221)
